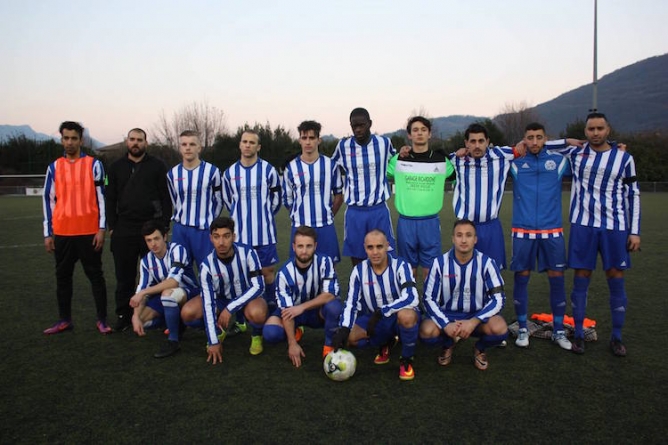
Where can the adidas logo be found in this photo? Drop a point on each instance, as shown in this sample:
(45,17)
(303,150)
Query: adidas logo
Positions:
(525,165)
(274,260)
(623,264)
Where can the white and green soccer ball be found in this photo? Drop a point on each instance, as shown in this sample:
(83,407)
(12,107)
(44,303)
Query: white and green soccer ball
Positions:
(340,365)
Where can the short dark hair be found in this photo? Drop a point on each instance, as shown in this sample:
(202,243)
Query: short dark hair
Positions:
(464,221)
(307,231)
(597,115)
(534,126)
(307,126)
(222,222)
(189,133)
(71,125)
(359,111)
(137,130)
(151,226)
(475,128)
(421,119)
(251,131)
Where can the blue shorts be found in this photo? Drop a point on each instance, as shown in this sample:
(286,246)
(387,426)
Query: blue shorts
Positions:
(549,252)
(419,240)
(585,243)
(386,325)
(268,254)
(328,242)
(491,241)
(359,221)
(310,318)
(196,242)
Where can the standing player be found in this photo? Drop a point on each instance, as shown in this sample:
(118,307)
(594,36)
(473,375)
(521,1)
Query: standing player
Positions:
(382,302)
(364,159)
(464,297)
(195,188)
(481,179)
(231,280)
(252,194)
(307,295)
(136,192)
(538,233)
(309,181)
(419,179)
(166,282)
(605,218)
(74,224)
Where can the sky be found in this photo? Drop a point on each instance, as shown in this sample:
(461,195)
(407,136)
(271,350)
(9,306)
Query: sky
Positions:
(117,65)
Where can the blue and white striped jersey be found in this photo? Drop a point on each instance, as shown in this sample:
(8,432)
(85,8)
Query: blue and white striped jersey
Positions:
(390,291)
(365,182)
(196,194)
(237,279)
(253,196)
(480,183)
(605,190)
(308,189)
(175,264)
(296,286)
(472,288)
(49,197)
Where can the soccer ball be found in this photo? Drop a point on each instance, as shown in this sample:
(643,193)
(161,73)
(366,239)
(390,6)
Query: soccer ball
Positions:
(340,365)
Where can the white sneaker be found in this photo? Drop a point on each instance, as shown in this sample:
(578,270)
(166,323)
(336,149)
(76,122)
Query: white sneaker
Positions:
(522,338)
(559,338)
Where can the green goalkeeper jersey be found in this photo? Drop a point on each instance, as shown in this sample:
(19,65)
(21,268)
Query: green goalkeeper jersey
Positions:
(419,182)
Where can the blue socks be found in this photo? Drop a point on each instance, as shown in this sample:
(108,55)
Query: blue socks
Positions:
(331,312)
(557,301)
(521,299)
(579,303)
(172,316)
(618,302)
(408,338)
(488,341)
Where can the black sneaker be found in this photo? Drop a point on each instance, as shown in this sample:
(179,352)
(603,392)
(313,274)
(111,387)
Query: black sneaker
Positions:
(168,349)
(123,323)
(578,345)
(617,348)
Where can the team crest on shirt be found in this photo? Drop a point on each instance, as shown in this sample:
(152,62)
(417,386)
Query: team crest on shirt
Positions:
(550,165)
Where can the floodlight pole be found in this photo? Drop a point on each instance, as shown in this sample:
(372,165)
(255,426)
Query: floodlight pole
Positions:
(594,105)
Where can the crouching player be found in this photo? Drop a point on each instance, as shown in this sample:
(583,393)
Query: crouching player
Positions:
(382,302)
(165,272)
(463,297)
(231,280)
(307,295)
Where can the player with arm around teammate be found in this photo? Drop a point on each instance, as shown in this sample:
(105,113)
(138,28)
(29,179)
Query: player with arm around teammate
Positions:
(307,294)
(382,303)
(464,297)
(166,282)
(231,281)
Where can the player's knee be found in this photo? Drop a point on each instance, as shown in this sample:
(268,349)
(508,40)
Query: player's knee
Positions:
(428,330)
(256,311)
(273,333)
(497,326)
(407,318)
(332,310)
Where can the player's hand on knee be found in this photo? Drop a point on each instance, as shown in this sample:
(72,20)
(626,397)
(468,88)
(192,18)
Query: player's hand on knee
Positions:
(340,338)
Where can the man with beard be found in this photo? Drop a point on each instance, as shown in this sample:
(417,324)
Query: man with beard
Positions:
(136,193)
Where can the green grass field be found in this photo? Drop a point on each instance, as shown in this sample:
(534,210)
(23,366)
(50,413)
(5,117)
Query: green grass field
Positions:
(82,387)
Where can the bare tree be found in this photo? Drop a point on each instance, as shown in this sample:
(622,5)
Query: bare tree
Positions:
(513,118)
(206,120)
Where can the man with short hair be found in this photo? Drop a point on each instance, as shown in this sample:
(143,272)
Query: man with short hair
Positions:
(419,180)
(481,178)
(74,224)
(364,159)
(252,195)
(136,192)
(307,295)
(312,191)
(605,218)
(195,188)
(166,282)
(464,297)
(382,303)
(537,230)
(231,281)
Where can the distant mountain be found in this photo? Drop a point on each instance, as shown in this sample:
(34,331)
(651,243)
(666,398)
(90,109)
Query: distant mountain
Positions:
(9,131)
(634,98)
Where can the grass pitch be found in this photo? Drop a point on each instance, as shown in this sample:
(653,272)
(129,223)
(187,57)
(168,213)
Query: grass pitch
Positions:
(82,387)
